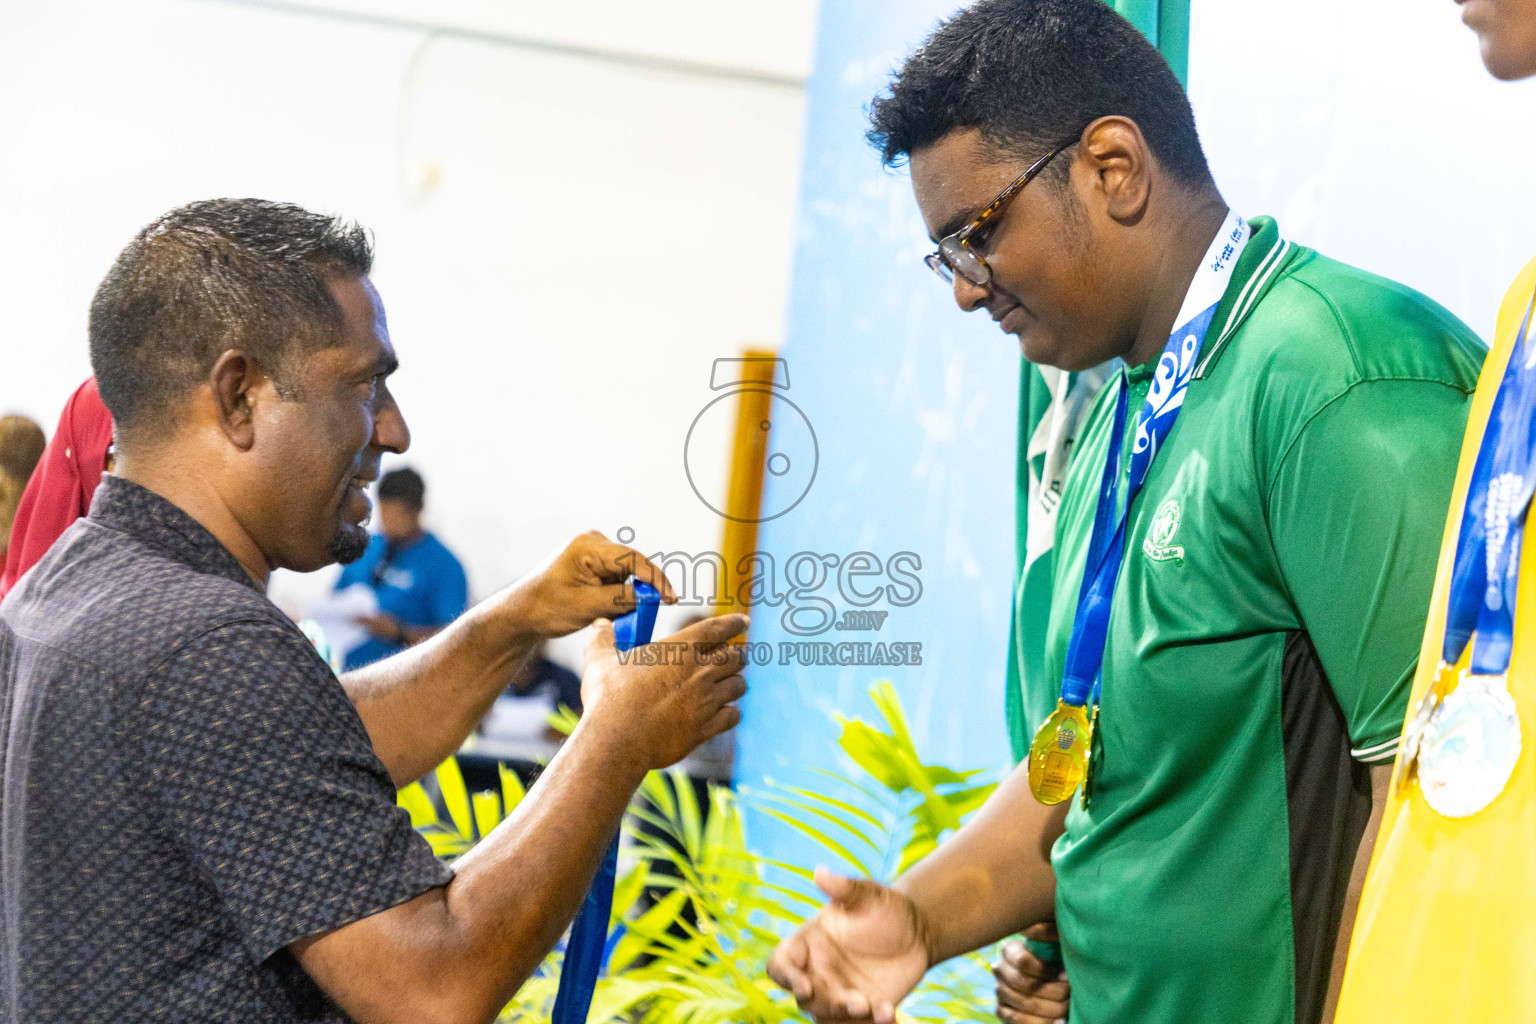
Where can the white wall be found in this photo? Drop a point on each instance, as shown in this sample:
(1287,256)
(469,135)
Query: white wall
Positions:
(564,242)
(1370,130)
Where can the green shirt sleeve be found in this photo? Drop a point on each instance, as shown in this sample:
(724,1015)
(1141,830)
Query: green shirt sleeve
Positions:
(1357,512)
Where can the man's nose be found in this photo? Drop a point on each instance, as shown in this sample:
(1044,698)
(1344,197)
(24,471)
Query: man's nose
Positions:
(389,430)
(969,295)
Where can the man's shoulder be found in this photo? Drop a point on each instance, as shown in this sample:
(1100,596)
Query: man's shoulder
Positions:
(262,670)
(114,600)
(1326,332)
(1340,326)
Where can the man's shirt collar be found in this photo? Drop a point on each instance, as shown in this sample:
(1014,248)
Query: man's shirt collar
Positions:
(141,513)
(1257,270)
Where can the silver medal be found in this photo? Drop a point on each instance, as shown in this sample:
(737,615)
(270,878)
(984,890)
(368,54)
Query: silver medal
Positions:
(1469,747)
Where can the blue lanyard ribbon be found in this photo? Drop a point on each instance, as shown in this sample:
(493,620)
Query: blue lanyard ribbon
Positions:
(587,948)
(1106,545)
(1486,573)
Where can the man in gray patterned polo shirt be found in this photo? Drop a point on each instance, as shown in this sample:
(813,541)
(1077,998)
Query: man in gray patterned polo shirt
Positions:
(198,820)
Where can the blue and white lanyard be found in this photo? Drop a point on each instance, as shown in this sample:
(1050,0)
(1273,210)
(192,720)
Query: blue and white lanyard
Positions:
(1486,573)
(1106,546)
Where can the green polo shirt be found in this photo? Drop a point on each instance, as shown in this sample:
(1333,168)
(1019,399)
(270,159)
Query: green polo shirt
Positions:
(1262,640)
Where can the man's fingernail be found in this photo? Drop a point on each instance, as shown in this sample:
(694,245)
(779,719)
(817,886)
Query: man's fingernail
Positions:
(1062,976)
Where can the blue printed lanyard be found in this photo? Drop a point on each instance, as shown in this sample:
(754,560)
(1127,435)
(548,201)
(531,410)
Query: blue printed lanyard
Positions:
(587,948)
(1106,545)
(1486,573)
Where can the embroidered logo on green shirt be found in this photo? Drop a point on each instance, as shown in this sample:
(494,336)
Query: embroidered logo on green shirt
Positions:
(1159,542)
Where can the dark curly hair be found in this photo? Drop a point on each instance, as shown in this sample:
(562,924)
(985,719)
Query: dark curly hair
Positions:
(1029,73)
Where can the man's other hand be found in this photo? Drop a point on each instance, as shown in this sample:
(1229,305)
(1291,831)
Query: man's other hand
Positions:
(583,581)
(858,957)
(660,712)
(1030,991)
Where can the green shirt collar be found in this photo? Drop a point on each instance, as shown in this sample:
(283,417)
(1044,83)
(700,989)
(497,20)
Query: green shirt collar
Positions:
(1252,278)
(1256,272)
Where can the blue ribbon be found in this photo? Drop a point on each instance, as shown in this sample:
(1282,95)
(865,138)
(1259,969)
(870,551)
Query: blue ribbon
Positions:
(1486,573)
(1106,546)
(587,949)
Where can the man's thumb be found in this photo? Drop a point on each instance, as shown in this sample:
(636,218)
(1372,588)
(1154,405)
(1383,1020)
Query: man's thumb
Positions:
(602,641)
(849,892)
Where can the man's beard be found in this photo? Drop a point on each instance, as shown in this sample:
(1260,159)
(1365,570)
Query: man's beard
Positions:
(348,543)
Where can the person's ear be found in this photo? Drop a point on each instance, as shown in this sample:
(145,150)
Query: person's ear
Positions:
(233,381)
(1120,164)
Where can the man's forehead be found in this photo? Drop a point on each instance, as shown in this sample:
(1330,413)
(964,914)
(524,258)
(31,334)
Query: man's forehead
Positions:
(380,322)
(365,343)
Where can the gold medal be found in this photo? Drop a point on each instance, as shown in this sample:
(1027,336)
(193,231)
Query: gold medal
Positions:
(1413,732)
(1469,747)
(1058,757)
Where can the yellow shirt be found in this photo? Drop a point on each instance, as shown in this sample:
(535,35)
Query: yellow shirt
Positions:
(1447,924)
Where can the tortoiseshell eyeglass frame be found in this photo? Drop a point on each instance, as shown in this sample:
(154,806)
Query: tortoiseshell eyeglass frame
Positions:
(955,255)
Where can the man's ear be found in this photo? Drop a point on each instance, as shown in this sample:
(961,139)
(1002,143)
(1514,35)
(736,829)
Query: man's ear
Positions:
(233,381)
(1121,164)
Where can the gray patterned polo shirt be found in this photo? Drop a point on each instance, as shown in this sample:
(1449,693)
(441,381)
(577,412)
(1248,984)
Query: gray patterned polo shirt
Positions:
(186,787)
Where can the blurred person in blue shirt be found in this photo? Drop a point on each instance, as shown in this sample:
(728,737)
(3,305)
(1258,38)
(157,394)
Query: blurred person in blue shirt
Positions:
(419,583)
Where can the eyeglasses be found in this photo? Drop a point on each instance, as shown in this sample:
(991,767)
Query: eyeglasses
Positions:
(955,255)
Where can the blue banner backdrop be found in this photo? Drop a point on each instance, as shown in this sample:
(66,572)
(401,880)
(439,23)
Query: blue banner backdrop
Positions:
(914,408)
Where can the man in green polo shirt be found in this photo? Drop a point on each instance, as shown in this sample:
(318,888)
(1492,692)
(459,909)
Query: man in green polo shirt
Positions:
(1288,454)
